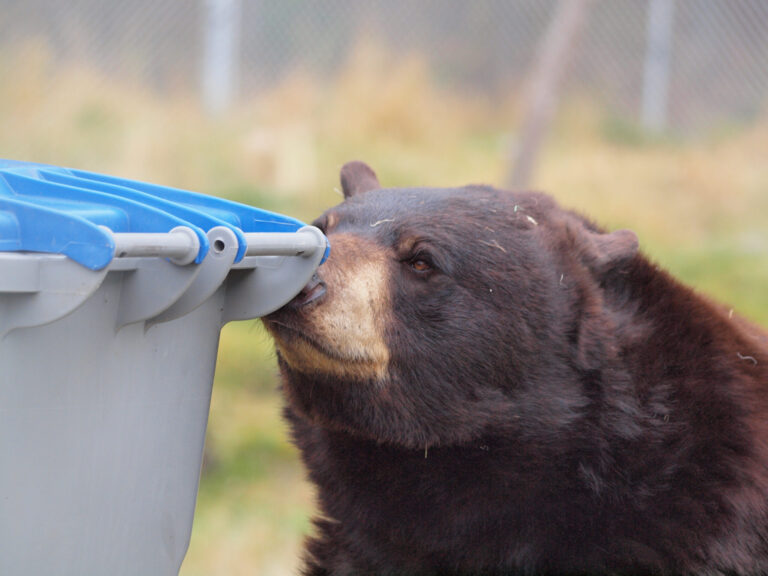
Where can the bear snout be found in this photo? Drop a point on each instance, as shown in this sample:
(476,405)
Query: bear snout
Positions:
(336,325)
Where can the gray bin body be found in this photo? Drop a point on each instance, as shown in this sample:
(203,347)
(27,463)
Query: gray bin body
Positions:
(102,438)
(105,386)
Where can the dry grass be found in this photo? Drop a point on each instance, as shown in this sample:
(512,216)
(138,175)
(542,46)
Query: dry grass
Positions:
(699,207)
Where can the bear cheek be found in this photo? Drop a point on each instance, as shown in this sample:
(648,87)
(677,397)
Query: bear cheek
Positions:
(349,323)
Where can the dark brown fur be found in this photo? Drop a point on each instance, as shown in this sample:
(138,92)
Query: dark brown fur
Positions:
(554,402)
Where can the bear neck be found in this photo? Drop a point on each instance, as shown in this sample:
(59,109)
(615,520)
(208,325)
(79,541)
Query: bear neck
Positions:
(667,333)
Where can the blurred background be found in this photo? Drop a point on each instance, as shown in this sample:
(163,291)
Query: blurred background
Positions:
(647,114)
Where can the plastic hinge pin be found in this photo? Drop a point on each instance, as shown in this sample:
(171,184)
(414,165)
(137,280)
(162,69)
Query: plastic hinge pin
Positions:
(304,242)
(180,245)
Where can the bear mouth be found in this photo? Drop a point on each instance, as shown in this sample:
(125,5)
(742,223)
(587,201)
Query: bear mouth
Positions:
(296,340)
(287,335)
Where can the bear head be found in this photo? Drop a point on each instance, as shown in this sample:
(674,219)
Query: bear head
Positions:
(443,314)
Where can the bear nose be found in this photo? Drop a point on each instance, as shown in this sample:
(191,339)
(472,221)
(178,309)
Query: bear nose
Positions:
(314,290)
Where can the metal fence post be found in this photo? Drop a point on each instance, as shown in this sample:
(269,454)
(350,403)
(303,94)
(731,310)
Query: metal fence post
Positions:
(656,68)
(220,62)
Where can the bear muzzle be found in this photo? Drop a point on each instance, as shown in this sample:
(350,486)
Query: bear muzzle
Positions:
(336,325)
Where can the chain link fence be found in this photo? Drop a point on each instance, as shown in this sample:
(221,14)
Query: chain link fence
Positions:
(712,54)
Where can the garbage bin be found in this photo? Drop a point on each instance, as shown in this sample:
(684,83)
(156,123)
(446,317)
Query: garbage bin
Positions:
(112,296)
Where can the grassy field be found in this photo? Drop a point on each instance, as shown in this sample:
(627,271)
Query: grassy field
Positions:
(700,208)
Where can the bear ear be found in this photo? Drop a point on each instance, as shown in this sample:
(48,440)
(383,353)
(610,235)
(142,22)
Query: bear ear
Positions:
(606,252)
(356,178)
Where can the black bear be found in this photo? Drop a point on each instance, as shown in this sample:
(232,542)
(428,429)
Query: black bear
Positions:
(481,382)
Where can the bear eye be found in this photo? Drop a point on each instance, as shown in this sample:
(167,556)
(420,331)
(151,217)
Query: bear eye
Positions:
(420,265)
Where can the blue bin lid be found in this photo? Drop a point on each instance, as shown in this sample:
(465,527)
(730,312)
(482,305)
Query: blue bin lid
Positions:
(60,210)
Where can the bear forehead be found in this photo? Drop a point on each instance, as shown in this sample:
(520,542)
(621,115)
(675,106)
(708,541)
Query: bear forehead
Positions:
(424,210)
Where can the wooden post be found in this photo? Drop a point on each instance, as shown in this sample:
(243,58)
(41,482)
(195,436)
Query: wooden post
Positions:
(554,54)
